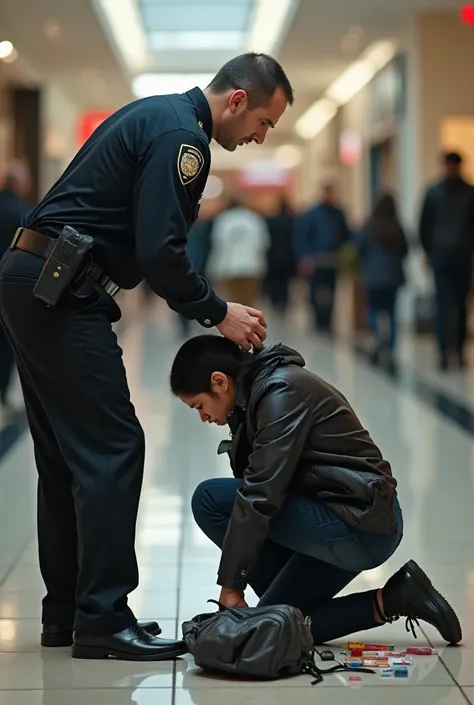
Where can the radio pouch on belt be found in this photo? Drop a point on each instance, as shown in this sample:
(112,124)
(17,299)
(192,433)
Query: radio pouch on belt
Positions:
(63,265)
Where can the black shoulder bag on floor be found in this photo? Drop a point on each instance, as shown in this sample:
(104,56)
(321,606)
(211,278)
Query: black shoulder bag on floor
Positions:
(255,642)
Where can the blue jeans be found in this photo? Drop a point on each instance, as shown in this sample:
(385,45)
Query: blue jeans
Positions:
(309,557)
(383,302)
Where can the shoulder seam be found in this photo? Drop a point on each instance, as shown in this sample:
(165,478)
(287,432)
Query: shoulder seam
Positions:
(290,384)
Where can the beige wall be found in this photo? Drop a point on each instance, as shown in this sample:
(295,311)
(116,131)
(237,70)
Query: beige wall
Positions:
(354,116)
(320,163)
(59,120)
(446,55)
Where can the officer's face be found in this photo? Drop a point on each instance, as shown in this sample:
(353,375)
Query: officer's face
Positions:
(213,407)
(241,125)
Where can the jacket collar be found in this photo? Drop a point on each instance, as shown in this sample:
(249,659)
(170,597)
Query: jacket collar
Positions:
(242,390)
(203,110)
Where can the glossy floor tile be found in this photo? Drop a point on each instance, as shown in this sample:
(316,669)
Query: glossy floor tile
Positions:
(283,695)
(432,458)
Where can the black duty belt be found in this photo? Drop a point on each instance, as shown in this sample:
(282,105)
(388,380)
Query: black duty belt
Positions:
(39,244)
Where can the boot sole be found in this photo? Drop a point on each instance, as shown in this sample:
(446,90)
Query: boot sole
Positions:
(95,652)
(55,641)
(449,615)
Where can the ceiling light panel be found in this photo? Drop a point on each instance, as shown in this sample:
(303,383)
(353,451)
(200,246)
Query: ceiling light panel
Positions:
(196,2)
(181,16)
(165,83)
(191,41)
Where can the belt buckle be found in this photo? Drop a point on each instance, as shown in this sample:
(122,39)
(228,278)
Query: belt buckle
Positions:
(16,237)
(111,288)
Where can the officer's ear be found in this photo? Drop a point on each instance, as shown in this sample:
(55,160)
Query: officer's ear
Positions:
(238,101)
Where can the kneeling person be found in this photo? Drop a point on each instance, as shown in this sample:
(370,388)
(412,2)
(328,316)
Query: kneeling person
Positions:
(312,504)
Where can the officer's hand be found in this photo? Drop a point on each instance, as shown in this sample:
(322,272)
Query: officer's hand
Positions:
(244,325)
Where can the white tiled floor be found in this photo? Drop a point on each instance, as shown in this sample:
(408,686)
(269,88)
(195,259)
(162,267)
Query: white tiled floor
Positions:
(431,457)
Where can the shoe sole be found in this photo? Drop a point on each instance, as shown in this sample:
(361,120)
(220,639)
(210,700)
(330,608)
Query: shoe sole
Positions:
(55,641)
(94,652)
(453,633)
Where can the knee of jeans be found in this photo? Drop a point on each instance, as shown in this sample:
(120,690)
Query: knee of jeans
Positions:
(199,501)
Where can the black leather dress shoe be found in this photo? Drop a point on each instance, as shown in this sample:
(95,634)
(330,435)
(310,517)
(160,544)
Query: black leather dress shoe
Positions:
(55,635)
(410,593)
(132,644)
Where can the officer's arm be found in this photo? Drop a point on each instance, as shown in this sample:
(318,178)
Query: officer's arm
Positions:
(165,199)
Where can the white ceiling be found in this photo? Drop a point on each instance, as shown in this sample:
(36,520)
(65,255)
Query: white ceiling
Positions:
(321,41)
(326,37)
(77,55)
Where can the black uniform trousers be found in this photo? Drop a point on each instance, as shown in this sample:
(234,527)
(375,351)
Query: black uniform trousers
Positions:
(89,448)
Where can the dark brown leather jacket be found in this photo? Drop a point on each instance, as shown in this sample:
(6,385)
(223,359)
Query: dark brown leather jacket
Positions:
(292,431)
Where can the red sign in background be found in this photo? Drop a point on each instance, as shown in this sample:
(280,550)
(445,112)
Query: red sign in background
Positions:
(90,121)
(467,14)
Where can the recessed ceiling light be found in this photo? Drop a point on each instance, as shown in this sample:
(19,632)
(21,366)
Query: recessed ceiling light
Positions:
(6,49)
(149,84)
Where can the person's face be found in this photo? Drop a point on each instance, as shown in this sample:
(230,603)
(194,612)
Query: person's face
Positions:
(214,407)
(452,169)
(241,125)
(329,195)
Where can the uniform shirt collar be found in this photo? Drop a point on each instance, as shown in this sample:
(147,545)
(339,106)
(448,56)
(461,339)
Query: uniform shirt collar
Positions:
(203,110)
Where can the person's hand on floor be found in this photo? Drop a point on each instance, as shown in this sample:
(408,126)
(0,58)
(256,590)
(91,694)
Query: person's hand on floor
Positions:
(232,598)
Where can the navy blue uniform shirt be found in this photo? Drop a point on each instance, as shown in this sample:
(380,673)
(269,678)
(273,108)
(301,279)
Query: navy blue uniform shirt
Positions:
(135,187)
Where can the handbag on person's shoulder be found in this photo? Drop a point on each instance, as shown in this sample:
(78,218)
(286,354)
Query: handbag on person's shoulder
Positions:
(264,643)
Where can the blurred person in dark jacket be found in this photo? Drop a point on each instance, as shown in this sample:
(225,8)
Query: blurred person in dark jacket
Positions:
(198,248)
(320,233)
(447,237)
(382,248)
(280,256)
(13,206)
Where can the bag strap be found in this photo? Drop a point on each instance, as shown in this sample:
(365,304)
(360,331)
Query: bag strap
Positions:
(312,669)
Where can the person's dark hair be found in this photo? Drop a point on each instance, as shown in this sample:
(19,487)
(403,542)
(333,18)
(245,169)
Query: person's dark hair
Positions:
(452,159)
(199,357)
(384,224)
(258,74)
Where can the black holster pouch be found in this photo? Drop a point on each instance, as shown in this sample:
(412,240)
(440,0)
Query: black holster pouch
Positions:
(66,263)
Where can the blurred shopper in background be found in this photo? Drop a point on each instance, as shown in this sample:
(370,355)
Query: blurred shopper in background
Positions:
(320,233)
(447,237)
(280,256)
(238,260)
(13,206)
(382,247)
(198,248)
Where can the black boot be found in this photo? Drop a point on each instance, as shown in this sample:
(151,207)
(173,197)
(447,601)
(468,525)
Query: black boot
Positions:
(409,593)
(132,644)
(54,635)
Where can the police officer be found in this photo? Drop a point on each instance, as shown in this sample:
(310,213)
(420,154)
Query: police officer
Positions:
(134,187)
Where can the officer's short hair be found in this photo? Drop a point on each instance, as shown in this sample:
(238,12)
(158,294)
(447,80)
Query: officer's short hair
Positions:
(259,75)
